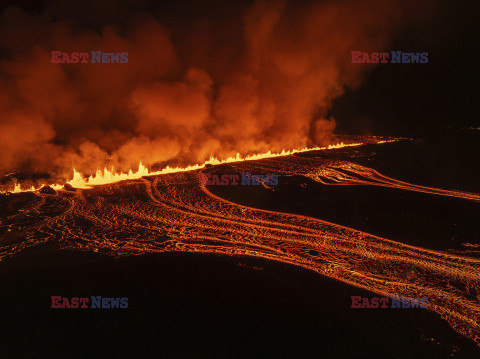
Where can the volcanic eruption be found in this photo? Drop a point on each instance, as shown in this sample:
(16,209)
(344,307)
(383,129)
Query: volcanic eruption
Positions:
(107,159)
(184,95)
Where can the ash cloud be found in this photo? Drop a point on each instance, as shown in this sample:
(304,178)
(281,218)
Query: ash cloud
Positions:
(211,87)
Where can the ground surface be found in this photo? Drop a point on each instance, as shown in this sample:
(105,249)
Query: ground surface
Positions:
(196,263)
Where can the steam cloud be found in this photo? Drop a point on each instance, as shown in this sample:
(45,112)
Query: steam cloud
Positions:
(185,99)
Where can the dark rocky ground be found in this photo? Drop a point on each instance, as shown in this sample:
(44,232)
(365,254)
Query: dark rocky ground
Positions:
(186,305)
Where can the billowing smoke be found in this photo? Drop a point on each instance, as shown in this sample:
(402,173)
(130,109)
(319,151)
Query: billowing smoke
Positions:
(184,95)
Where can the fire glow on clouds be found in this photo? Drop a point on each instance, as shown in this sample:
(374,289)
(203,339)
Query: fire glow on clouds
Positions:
(182,96)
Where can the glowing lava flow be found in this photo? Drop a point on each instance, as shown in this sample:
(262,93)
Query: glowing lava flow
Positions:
(176,213)
(109,176)
(346,173)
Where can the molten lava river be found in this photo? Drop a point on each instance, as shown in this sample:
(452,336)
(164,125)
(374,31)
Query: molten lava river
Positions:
(178,212)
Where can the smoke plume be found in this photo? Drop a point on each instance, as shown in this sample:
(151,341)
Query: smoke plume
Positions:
(264,82)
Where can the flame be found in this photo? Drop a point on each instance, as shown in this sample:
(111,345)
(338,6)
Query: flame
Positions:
(18,189)
(106,176)
(109,176)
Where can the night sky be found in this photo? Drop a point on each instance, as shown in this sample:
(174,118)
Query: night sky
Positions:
(442,93)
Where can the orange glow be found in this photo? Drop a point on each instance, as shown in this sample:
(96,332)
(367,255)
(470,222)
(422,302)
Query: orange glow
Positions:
(110,176)
(176,212)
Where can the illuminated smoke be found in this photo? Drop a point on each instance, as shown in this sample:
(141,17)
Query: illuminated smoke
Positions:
(185,100)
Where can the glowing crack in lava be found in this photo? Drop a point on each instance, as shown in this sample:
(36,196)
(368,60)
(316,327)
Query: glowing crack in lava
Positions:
(176,212)
(110,176)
